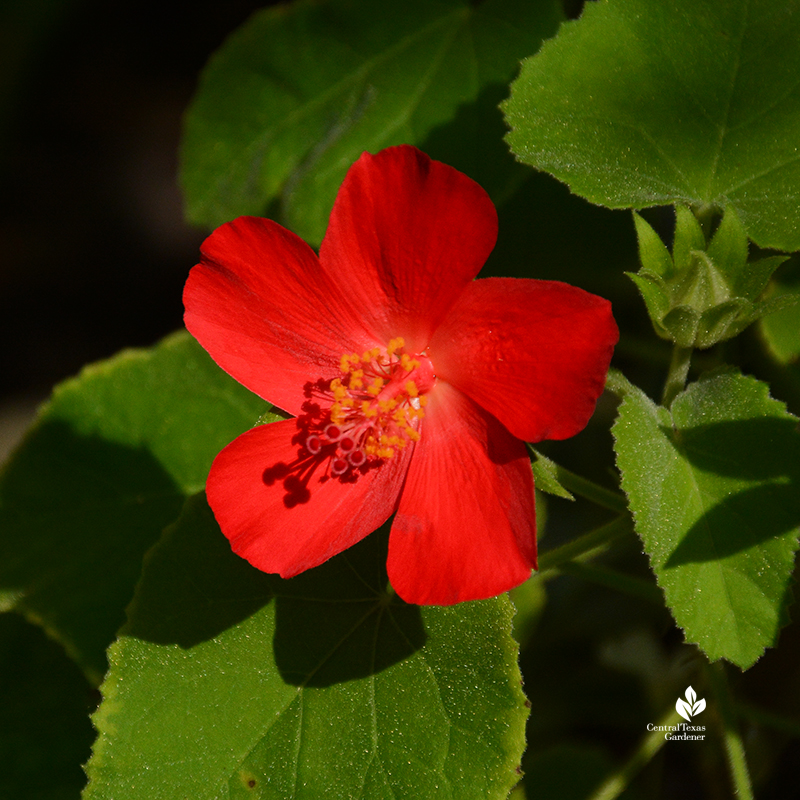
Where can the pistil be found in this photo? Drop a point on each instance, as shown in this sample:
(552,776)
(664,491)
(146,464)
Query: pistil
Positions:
(375,409)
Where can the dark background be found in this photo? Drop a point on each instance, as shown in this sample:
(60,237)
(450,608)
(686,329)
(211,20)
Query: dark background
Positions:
(93,247)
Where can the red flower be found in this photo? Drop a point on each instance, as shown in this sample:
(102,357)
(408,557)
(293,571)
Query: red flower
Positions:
(413,387)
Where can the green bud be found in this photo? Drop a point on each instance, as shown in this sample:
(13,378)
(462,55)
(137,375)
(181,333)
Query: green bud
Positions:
(702,293)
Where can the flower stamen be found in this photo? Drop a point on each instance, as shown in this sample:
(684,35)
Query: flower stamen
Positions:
(372,411)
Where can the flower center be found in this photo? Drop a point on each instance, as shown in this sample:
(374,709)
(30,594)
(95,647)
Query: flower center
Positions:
(373,410)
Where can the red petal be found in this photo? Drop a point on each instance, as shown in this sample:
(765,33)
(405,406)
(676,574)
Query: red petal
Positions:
(260,304)
(405,236)
(284,520)
(465,528)
(533,353)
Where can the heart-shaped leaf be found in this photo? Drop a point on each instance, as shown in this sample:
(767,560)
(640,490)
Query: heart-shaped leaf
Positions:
(295,96)
(695,102)
(228,682)
(108,463)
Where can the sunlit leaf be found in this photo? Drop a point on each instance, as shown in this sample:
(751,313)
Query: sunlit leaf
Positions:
(693,101)
(712,484)
(228,682)
(108,463)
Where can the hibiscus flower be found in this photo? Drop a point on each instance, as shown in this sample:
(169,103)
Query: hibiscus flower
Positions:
(412,387)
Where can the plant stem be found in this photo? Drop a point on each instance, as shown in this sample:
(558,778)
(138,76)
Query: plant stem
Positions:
(678,371)
(733,740)
(589,490)
(636,587)
(615,784)
(585,545)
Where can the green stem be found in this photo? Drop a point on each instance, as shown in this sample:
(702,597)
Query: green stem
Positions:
(733,740)
(583,487)
(585,545)
(615,784)
(678,372)
(612,579)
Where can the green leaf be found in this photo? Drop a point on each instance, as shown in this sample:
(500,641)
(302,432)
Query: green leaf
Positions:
(295,96)
(228,682)
(108,463)
(653,252)
(693,101)
(655,294)
(688,238)
(755,278)
(712,484)
(728,247)
(781,330)
(545,475)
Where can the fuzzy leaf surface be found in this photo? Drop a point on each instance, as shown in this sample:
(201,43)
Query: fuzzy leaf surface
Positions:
(713,487)
(693,101)
(295,96)
(231,683)
(107,464)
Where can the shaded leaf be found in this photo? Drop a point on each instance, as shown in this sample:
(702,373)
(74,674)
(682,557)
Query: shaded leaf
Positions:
(781,330)
(713,486)
(228,682)
(639,104)
(295,96)
(107,464)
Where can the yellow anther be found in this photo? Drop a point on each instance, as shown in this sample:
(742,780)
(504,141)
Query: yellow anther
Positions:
(408,363)
(377,385)
(355,379)
(347,360)
(423,401)
(387,405)
(411,389)
(370,355)
(395,345)
(413,435)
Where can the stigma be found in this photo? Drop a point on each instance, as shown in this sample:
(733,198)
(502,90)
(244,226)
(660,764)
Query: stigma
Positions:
(371,411)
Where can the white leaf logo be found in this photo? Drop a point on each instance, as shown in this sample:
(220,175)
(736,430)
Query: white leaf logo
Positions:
(691,706)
